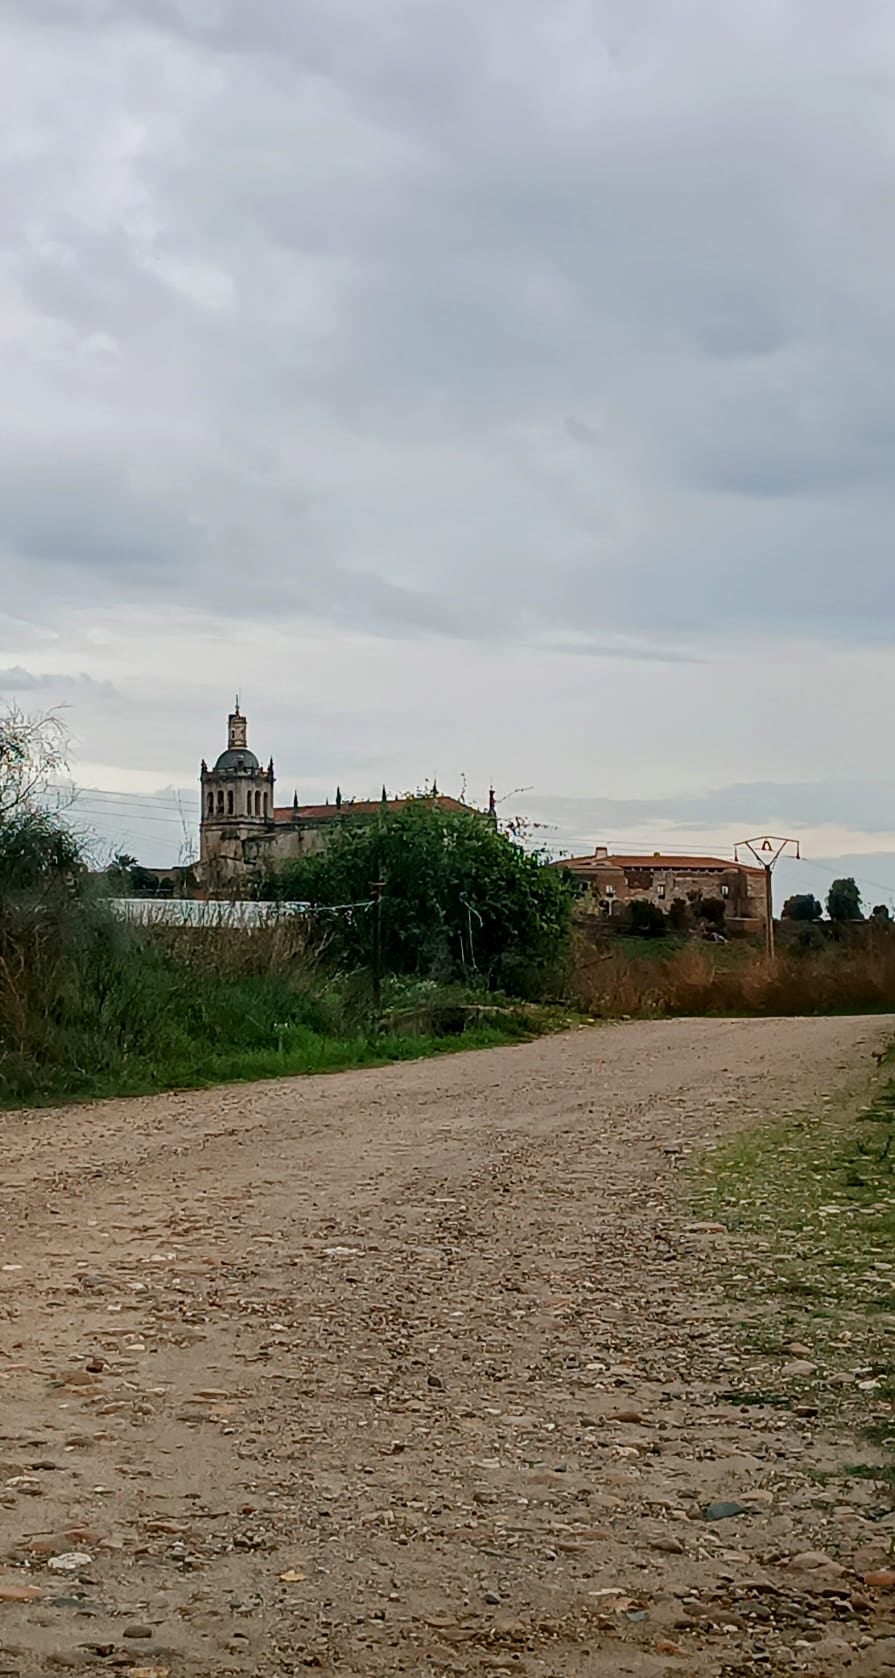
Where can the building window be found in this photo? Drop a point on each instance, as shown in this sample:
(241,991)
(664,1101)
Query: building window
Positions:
(265,804)
(660,891)
(257,804)
(211,803)
(220,803)
(229,803)
(725,891)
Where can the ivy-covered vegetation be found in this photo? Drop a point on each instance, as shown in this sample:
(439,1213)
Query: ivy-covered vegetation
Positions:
(459,900)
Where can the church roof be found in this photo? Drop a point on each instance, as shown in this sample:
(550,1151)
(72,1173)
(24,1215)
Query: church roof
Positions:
(366,807)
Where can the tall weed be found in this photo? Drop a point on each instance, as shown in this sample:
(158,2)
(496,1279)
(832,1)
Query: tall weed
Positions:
(609,982)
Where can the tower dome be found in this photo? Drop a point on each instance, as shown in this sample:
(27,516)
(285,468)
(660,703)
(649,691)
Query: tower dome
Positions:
(235,759)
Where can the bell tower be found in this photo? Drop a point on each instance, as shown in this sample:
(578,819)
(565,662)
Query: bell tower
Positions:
(237,730)
(237,801)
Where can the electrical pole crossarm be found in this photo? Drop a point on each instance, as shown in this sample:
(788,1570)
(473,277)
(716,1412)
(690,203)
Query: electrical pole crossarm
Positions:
(767,850)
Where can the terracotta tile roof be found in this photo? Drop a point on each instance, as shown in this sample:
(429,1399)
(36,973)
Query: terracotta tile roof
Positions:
(366,807)
(681,864)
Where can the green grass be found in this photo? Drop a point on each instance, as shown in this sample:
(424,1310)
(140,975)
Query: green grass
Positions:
(810,1205)
(120,1013)
(307,1053)
(725,957)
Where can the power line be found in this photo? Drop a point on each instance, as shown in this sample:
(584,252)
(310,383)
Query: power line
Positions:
(860,879)
(130,797)
(112,814)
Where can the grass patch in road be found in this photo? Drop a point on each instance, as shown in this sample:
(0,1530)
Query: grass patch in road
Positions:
(810,1205)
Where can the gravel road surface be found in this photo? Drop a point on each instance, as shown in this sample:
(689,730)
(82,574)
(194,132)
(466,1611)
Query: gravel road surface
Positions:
(411,1371)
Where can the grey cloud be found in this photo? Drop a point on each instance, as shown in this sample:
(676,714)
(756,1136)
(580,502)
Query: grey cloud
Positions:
(16,679)
(867,806)
(625,651)
(502,320)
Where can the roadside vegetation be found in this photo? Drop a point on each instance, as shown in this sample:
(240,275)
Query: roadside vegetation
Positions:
(91,1005)
(460,901)
(614,978)
(811,1205)
(424,932)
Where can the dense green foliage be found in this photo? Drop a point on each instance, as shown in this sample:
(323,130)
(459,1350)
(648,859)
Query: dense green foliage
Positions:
(459,899)
(802,907)
(642,919)
(118,1011)
(91,1005)
(844,901)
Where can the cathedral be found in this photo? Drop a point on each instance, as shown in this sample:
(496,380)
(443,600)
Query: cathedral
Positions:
(241,827)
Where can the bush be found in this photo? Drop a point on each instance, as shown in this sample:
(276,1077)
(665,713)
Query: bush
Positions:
(802,907)
(680,916)
(459,901)
(642,919)
(712,911)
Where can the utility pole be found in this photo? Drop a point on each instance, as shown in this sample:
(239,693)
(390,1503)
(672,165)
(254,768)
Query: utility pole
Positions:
(767,850)
(377,888)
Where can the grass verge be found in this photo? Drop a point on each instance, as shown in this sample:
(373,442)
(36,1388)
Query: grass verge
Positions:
(812,1203)
(236,1028)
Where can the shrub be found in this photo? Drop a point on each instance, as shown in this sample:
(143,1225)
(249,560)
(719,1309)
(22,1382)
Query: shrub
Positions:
(680,916)
(712,911)
(459,900)
(802,907)
(642,919)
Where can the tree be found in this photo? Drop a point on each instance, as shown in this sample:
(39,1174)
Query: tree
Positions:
(32,754)
(642,919)
(712,911)
(844,901)
(36,849)
(459,898)
(680,915)
(802,907)
(126,876)
(881,914)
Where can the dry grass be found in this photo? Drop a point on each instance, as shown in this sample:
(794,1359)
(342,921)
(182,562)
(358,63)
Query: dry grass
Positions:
(610,982)
(287,947)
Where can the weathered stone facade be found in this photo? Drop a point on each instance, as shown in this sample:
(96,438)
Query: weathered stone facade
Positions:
(617,880)
(241,829)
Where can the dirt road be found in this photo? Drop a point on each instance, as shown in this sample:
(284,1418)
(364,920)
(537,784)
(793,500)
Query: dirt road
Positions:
(406,1371)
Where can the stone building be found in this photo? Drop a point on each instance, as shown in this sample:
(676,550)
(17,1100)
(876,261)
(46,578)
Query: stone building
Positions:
(241,828)
(614,881)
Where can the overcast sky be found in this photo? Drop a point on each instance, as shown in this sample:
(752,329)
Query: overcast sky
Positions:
(499,390)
